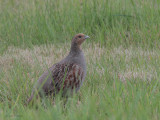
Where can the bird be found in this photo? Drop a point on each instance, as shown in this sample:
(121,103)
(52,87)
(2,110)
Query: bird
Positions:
(67,75)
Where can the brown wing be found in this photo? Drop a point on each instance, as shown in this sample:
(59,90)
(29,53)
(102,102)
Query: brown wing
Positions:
(60,77)
(64,76)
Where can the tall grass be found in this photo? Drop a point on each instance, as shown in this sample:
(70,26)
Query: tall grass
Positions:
(112,23)
(123,57)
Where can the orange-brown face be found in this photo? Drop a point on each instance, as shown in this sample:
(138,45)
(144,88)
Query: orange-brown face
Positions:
(79,38)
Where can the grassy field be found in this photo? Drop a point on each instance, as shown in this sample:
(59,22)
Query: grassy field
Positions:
(123,57)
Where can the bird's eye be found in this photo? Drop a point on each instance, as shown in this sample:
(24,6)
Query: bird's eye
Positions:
(79,36)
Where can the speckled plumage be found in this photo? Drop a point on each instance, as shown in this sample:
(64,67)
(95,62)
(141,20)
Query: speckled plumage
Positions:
(66,75)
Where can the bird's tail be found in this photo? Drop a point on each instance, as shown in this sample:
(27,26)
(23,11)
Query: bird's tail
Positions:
(30,98)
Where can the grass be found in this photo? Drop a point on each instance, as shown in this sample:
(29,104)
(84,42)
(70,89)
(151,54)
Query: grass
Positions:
(111,23)
(123,57)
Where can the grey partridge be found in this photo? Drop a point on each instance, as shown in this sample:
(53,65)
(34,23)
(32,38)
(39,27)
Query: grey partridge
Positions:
(67,75)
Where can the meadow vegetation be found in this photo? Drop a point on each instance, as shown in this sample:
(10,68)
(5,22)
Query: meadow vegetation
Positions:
(123,57)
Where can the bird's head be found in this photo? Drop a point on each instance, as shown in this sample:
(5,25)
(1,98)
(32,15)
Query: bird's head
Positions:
(79,39)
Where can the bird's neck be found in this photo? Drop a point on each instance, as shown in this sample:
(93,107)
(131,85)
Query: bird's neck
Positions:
(75,49)
(76,56)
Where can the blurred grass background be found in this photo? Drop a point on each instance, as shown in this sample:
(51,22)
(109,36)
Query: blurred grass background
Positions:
(123,57)
(109,22)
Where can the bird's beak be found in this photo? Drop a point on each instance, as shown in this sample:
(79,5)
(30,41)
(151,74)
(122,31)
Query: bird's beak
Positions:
(86,37)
